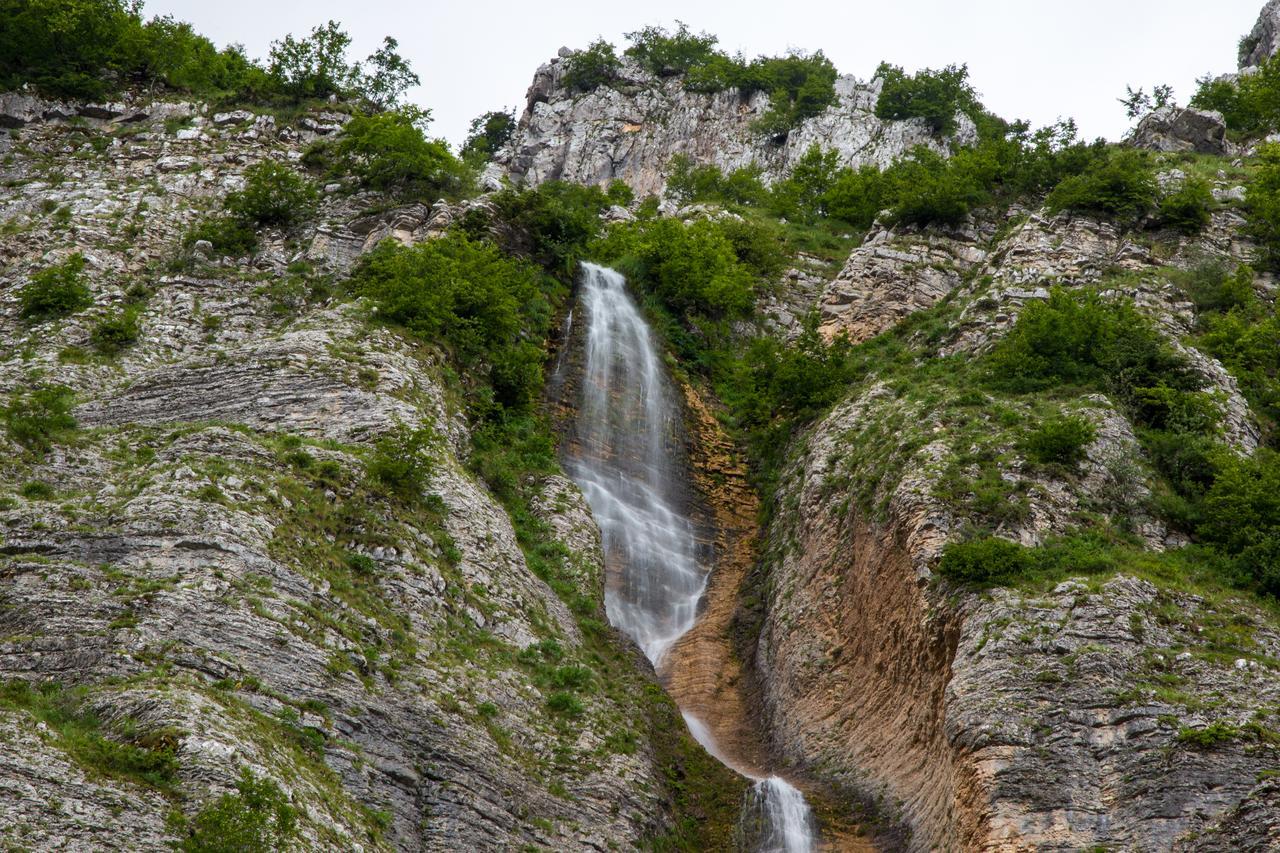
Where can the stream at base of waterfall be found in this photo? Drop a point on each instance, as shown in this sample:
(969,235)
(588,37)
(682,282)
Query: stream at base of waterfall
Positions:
(627,460)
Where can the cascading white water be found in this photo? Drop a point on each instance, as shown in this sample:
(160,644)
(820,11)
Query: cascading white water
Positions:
(626,458)
(626,463)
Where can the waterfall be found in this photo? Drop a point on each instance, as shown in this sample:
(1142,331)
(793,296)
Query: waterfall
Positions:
(626,455)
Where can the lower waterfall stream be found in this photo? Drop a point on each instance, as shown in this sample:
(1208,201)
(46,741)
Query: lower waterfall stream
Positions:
(626,459)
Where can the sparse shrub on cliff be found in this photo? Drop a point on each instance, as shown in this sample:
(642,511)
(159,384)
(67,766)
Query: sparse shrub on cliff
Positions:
(1121,185)
(986,561)
(1187,208)
(1210,736)
(230,236)
(273,194)
(1250,104)
(588,69)
(666,53)
(489,310)
(390,152)
(488,133)
(256,817)
(38,418)
(114,334)
(1059,441)
(402,461)
(56,291)
(1262,205)
(935,96)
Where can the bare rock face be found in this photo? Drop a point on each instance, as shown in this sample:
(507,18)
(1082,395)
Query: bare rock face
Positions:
(1263,41)
(632,130)
(1182,129)
(206,564)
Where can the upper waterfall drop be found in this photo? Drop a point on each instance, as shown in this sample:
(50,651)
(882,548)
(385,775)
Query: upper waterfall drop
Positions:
(625,460)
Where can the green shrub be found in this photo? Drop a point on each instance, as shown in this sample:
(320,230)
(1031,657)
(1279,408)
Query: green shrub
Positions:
(566,704)
(1059,441)
(802,194)
(1250,104)
(929,190)
(389,152)
(488,133)
(273,194)
(490,310)
(666,54)
(229,236)
(690,183)
(856,196)
(799,86)
(402,462)
(935,96)
(257,817)
(37,490)
(620,193)
(986,561)
(589,69)
(1212,288)
(1262,205)
(113,335)
(56,291)
(1187,208)
(558,217)
(40,417)
(314,66)
(1122,185)
(1214,734)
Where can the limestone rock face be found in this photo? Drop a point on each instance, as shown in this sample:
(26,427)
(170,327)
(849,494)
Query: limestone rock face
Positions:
(1263,41)
(632,130)
(1182,129)
(205,558)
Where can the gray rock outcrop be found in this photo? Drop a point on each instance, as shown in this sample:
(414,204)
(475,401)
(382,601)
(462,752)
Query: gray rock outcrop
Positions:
(1175,129)
(630,131)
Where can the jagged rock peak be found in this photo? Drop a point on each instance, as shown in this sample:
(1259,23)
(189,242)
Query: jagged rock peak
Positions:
(631,130)
(1263,41)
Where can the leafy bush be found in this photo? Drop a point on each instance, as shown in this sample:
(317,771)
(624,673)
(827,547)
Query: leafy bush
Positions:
(985,561)
(315,66)
(1121,185)
(620,193)
(1250,104)
(37,490)
(666,54)
(559,219)
(1262,205)
(589,69)
(113,335)
(256,817)
(1241,514)
(1212,288)
(488,133)
(389,152)
(690,183)
(1059,441)
(273,194)
(56,291)
(929,190)
(402,462)
(802,194)
(1187,208)
(935,96)
(39,417)
(1214,734)
(230,236)
(856,196)
(491,311)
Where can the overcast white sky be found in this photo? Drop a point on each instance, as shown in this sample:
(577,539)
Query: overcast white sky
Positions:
(1033,59)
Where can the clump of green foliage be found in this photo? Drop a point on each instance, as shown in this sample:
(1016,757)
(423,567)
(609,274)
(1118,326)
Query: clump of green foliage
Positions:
(229,236)
(90,49)
(38,418)
(557,218)
(1250,104)
(390,152)
(1210,736)
(256,817)
(688,183)
(935,96)
(144,758)
(487,134)
(989,560)
(1188,207)
(273,194)
(1059,441)
(112,335)
(1122,185)
(56,291)
(1240,513)
(666,54)
(589,69)
(402,461)
(1262,205)
(490,311)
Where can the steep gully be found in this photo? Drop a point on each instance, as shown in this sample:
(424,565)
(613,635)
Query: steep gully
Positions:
(626,450)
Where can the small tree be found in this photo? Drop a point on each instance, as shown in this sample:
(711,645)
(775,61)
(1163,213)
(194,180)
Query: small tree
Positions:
(390,78)
(273,194)
(589,69)
(489,132)
(313,67)
(56,291)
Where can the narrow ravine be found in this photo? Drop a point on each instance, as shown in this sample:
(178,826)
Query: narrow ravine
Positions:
(627,457)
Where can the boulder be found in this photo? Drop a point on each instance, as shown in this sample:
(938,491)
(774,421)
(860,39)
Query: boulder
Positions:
(1182,129)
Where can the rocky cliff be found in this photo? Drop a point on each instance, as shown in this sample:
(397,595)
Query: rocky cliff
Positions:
(630,130)
(203,568)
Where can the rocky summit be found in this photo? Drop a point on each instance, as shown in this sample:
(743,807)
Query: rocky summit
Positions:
(721,454)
